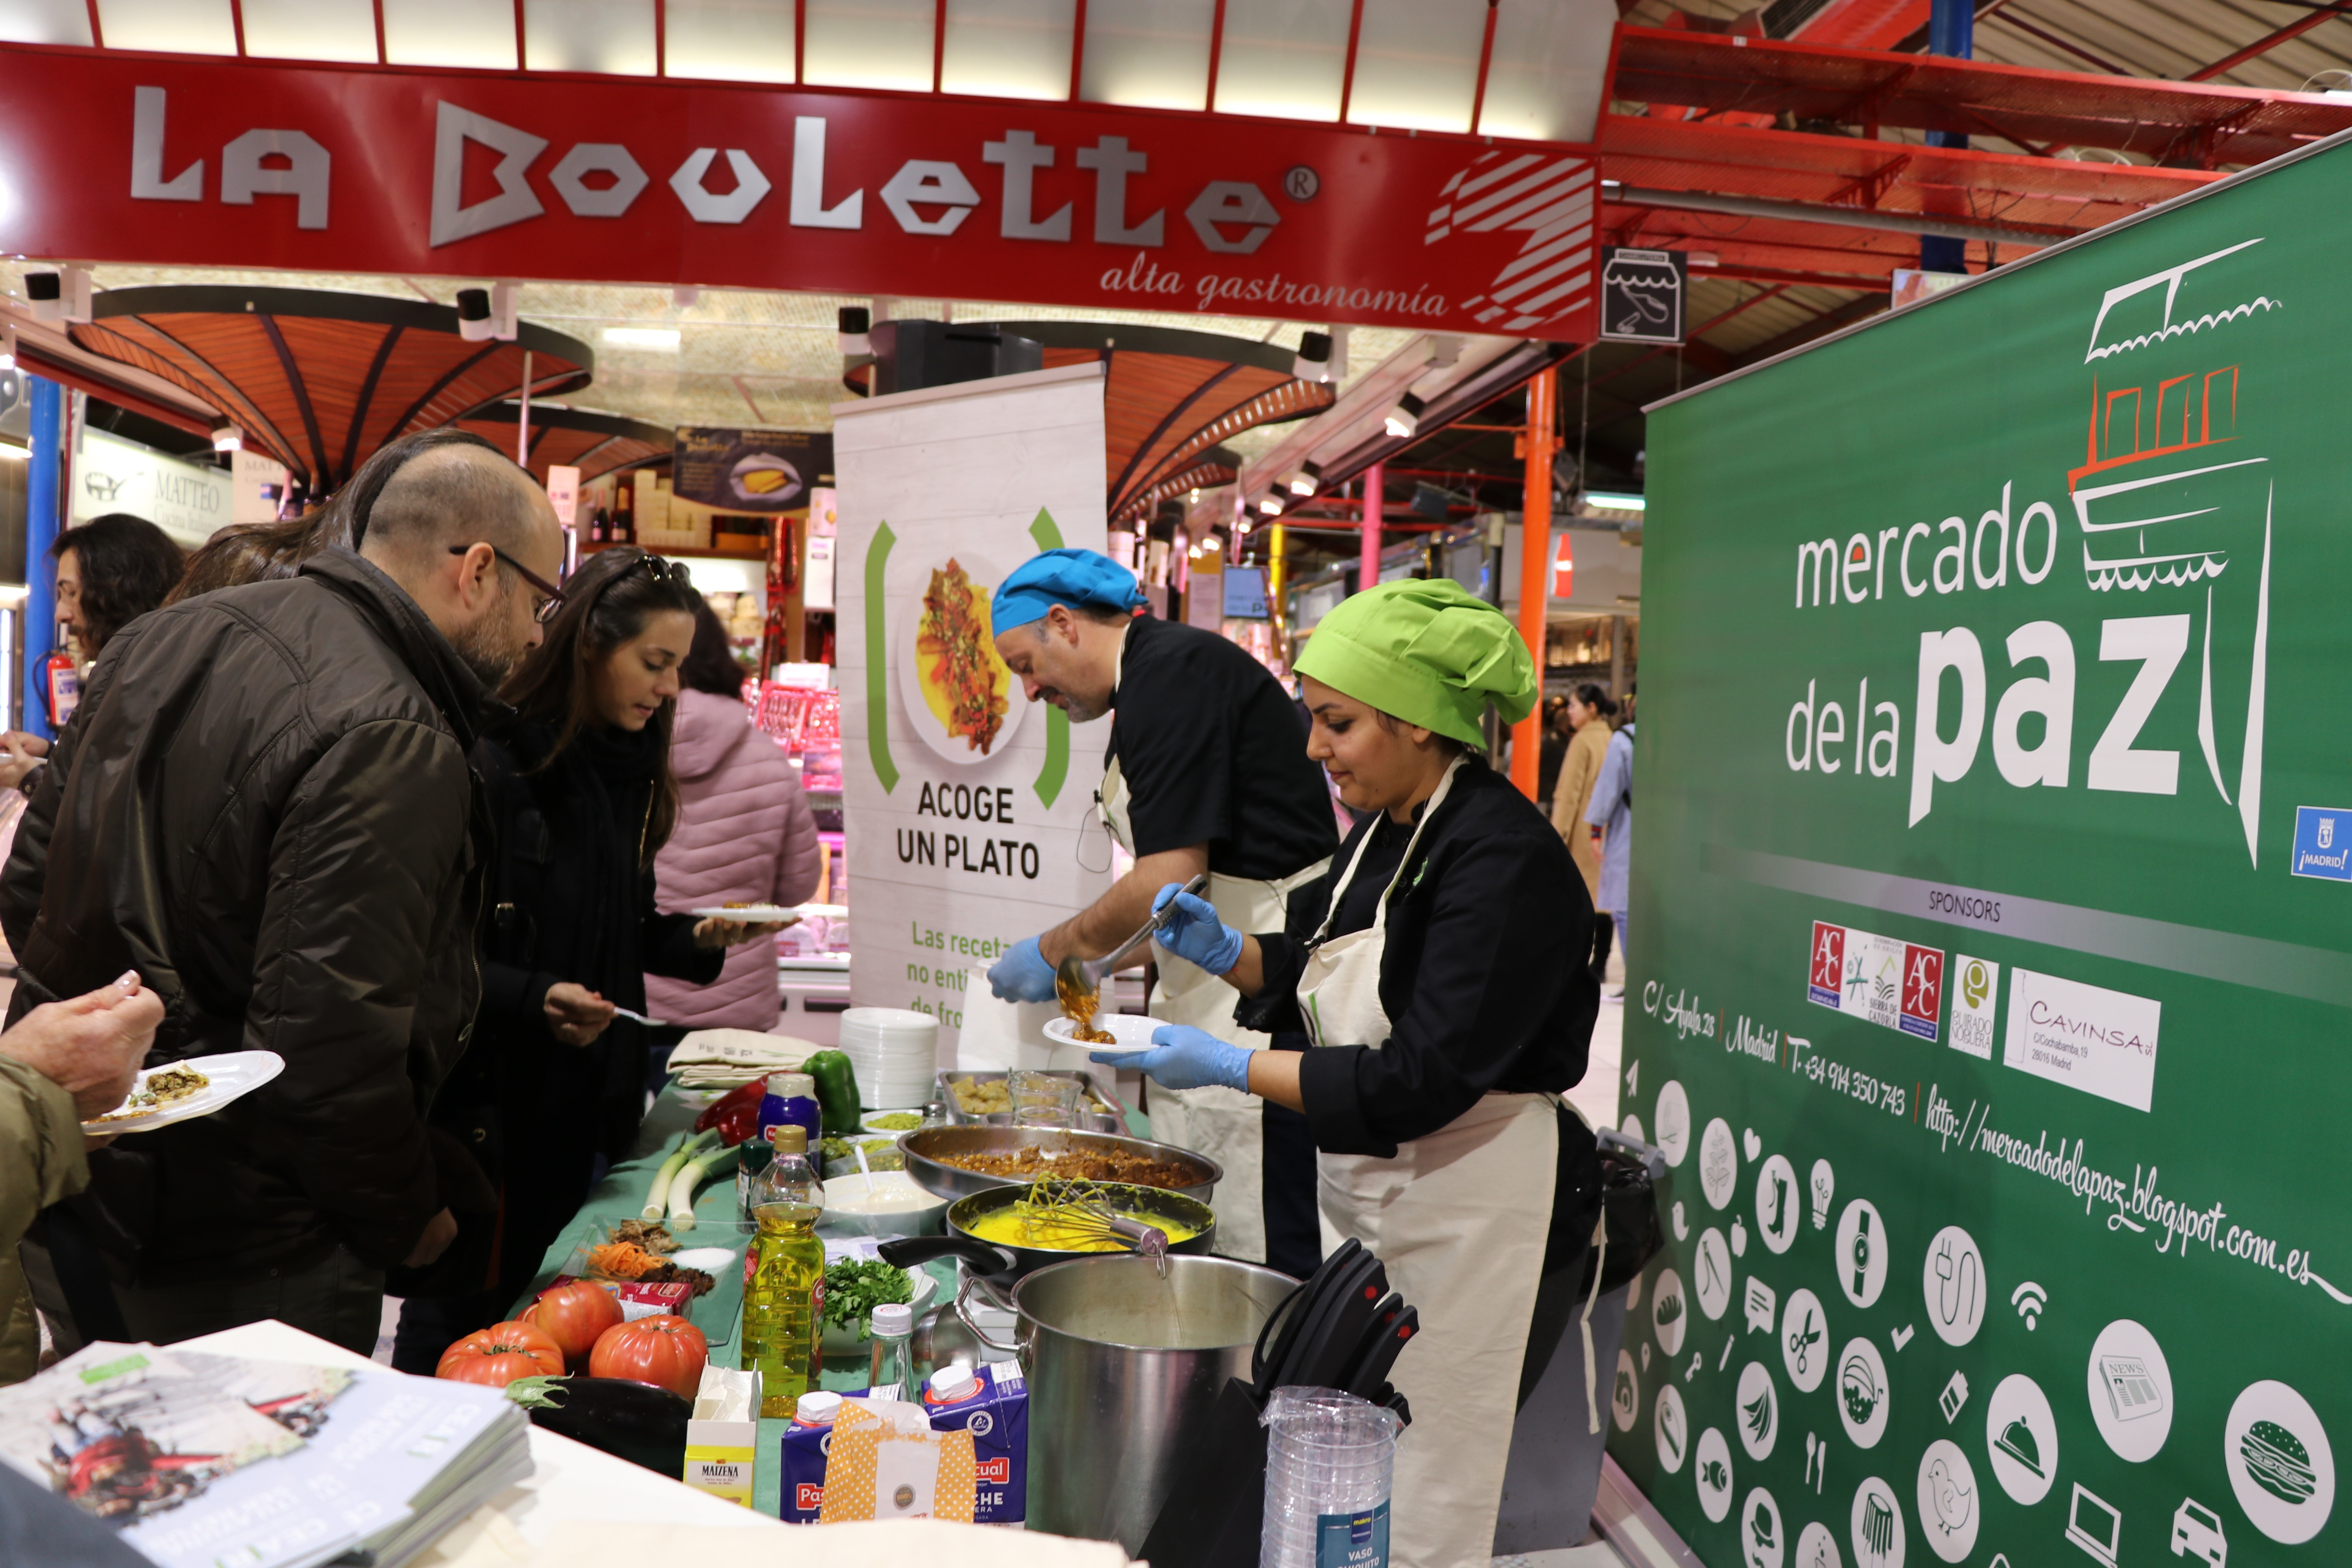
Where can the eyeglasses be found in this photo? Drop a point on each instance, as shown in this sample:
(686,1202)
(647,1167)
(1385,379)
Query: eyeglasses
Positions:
(549,606)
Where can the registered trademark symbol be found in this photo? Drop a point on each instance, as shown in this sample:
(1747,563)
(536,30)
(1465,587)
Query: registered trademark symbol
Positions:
(1301,183)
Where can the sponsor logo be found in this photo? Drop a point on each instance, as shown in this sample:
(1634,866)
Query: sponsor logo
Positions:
(1893,984)
(1829,963)
(2102,1042)
(2322,843)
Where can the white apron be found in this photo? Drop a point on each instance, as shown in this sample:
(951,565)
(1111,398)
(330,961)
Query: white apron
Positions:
(1460,1217)
(1225,1124)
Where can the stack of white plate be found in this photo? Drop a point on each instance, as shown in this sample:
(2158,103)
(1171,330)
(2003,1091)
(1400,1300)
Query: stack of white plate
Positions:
(895,1052)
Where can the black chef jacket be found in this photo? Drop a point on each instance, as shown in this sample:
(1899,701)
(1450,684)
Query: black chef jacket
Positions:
(1484,977)
(1212,751)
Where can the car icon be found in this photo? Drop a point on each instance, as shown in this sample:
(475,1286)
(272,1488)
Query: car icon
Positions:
(2196,1532)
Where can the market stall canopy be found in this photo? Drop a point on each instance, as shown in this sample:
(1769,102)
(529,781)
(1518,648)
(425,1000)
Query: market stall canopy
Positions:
(1171,397)
(320,379)
(595,444)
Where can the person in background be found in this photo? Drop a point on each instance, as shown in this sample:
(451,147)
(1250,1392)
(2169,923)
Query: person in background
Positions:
(579,791)
(1609,822)
(1586,716)
(744,835)
(1205,772)
(110,570)
(262,551)
(61,1065)
(264,806)
(1556,732)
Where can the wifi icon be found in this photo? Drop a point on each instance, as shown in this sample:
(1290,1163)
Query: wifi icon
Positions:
(2029,1298)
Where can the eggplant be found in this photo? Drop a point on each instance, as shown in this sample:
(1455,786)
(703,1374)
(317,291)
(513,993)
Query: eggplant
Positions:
(632,1421)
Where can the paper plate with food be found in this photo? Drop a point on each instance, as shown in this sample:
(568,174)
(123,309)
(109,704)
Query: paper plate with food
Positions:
(1126,1032)
(959,696)
(182,1092)
(750,914)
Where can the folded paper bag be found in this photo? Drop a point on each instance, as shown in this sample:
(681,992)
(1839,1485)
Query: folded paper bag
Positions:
(887,1463)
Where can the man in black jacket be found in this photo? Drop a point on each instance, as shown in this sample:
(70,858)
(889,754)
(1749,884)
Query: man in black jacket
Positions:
(265,808)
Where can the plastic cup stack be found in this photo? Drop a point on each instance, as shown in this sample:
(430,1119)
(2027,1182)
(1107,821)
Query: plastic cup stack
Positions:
(894,1053)
(1329,1457)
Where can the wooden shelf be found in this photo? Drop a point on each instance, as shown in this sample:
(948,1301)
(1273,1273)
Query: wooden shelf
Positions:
(681,551)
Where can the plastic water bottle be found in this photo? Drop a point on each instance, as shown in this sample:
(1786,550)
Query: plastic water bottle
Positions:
(893,1372)
(783,1276)
(1329,1465)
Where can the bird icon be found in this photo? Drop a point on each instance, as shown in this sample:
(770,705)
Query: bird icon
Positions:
(1953,1497)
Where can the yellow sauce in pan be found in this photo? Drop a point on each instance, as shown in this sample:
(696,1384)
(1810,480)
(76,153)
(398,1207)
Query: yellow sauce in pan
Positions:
(1048,1233)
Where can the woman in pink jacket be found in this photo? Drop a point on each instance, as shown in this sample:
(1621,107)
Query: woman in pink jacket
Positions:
(744,833)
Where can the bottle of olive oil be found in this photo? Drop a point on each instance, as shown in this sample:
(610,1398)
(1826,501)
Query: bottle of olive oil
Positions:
(784,1284)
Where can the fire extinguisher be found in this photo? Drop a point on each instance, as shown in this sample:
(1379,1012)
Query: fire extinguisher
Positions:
(64,689)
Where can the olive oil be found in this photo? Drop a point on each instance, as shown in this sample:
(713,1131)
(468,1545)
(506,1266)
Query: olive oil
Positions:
(783,1278)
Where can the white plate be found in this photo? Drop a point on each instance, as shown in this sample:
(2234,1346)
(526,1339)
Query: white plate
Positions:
(234,1075)
(1133,1031)
(709,1259)
(956,749)
(750,914)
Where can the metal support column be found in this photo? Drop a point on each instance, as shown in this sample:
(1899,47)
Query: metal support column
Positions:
(44,500)
(1368,561)
(1535,570)
(1951,30)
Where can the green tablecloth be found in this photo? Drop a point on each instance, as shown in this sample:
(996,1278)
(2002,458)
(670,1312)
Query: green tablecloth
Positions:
(622,1195)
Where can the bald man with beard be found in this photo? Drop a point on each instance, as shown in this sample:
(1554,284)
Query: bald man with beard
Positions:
(264,809)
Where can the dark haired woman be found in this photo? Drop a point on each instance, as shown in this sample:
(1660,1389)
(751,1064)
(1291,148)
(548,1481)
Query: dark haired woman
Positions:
(110,570)
(1589,713)
(580,788)
(745,834)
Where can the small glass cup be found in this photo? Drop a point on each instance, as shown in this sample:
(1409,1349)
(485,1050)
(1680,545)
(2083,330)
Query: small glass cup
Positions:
(1043,1098)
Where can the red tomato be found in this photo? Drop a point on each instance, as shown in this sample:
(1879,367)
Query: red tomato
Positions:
(499,1354)
(574,1316)
(666,1350)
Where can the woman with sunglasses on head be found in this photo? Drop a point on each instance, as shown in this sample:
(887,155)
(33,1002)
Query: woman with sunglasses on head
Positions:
(577,783)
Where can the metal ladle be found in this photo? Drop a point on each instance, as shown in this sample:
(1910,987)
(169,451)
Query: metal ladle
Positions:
(1076,976)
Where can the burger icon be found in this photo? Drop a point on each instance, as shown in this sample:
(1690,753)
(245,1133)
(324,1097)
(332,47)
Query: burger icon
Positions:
(2275,1461)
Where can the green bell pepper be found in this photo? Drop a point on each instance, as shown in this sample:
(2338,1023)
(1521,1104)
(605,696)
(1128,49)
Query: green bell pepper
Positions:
(837,1092)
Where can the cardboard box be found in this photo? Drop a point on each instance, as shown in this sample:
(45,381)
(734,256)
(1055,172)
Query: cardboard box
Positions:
(996,1413)
(722,1435)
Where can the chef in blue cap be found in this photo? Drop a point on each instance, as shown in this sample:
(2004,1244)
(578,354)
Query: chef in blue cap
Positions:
(1206,772)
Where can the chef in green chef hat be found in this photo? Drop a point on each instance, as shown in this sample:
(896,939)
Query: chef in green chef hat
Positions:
(1437,969)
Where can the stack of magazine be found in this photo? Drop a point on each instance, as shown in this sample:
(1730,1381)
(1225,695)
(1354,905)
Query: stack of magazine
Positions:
(204,1460)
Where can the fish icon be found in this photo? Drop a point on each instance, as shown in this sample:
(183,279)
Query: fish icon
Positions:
(1714,1475)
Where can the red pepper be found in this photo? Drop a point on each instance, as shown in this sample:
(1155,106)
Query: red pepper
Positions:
(737,1115)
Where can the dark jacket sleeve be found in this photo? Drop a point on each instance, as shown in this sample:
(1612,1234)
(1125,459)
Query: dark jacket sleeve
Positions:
(667,942)
(1486,990)
(336,978)
(515,998)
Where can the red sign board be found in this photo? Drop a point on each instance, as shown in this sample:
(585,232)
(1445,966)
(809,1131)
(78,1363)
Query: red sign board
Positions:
(1563,566)
(493,175)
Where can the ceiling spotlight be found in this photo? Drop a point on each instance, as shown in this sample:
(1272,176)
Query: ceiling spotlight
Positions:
(474,315)
(854,322)
(1270,505)
(1314,359)
(227,437)
(661,340)
(7,348)
(1305,479)
(1404,421)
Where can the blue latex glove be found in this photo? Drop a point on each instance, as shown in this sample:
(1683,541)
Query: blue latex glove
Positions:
(1194,934)
(1022,975)
(1185,1058)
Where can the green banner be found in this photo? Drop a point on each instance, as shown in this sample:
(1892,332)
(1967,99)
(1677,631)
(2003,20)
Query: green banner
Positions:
(1991,914)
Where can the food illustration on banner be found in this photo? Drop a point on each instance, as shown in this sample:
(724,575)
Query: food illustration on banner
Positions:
(1862,1393)
(962,687)
(1669,1312)
(2280,1465)
(1713,1473)
(1760,1411)
(1877,1525)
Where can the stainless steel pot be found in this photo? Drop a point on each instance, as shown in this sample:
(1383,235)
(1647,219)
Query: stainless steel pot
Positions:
(1125,1362)
(923,1147)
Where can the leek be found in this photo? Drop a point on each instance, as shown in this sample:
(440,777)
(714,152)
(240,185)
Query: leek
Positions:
(689,1177)
(680,1153)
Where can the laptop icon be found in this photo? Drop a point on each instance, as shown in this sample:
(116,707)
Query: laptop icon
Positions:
(2095,1525)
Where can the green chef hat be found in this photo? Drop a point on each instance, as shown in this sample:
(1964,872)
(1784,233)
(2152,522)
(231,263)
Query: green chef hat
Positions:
(1426,652)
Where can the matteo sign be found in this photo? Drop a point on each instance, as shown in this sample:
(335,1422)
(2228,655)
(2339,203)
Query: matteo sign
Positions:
(372,170)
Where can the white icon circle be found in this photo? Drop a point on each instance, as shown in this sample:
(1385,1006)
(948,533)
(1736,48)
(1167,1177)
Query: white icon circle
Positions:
(1718,1163)
(1711,1273)
(1953,1280)
(1779,1203)
(1625,1402)
(2022,1439)
(1630,1126)
(1862,1393)
(1634,1294)
(1817,1548)
(1758,1414)
(1738,1237)
(1672,1133)
(1761,1541)
(1805,1341)
(1877,1526)
(1713,1473)
(1949,1508)
(1859,1255)
(1669,1312)
(1672,1428)
(2130,1390)
(2279,1461)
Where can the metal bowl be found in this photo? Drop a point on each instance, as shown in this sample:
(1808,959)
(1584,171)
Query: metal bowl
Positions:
(923,1146)
(1097,1112)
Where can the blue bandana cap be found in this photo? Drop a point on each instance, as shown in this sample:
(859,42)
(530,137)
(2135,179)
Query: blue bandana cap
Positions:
(1082,579)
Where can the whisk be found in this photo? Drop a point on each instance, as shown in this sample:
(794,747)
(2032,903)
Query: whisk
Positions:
(1084,1210)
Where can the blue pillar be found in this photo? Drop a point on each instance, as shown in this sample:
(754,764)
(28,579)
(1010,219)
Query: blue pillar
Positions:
(1951,30)
(43,490)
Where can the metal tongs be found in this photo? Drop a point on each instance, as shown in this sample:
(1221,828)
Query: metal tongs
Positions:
(1076,976)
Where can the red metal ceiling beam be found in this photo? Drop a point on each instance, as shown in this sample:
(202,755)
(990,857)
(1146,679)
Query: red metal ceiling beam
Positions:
(2264,45)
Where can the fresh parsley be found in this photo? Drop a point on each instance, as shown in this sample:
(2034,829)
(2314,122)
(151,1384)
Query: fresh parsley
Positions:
(852,1291)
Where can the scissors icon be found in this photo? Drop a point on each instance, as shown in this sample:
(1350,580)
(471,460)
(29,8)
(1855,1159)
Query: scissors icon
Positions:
(1801,1342)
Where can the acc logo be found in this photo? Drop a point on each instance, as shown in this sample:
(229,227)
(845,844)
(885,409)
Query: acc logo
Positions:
(1828,977)
(2320,846)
